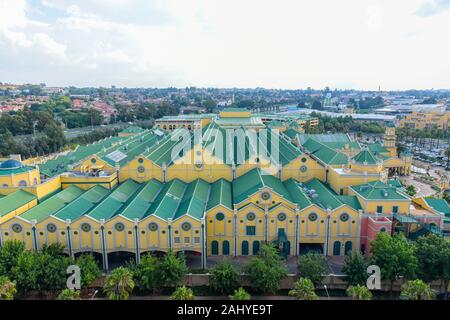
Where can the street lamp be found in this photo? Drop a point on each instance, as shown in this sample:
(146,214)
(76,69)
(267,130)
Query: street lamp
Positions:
(326,290)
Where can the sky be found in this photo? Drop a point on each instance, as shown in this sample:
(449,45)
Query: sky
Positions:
(292,44)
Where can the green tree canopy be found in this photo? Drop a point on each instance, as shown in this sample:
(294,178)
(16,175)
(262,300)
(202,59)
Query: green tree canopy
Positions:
(312,266)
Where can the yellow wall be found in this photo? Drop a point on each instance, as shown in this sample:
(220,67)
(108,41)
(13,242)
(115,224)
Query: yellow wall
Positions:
(130,170)
(243,222)
(87,165)
(18,211)
(86,241)
(26,235)
(292,170)
(193,235)
(344,231)
(220,231)
(27,179)
(45,237)
(274,224)
(40,190)
(343,181)
(86,183)
(120,240)
(153,240)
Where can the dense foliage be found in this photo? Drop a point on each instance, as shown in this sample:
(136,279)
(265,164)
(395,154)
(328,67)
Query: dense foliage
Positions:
(312,266)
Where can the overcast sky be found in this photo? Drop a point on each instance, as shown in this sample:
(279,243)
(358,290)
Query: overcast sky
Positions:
(395,44)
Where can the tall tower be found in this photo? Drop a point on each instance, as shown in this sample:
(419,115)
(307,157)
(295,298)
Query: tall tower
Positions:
(390,140)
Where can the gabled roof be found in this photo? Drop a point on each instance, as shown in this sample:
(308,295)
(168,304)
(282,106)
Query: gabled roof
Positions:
(116,201)
(194,200)
(133,129)
(378,190)
(140,205)
(322,195)
(53,204)
(326,138)
(82,205)
(253,181)
(168,200)
(440,205)
(291,133)
(365,157)
(351,201)
(14,201)
(324,153)
(297,193)
(220,194)
(377,148)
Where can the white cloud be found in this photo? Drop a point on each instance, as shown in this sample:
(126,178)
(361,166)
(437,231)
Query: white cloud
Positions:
(285,43)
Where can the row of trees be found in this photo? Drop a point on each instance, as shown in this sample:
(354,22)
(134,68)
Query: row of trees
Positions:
(342,124)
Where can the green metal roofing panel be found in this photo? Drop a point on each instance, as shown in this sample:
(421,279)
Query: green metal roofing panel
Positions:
(116,201)
(404,218)
(133,129)
(322,195)
(161,152)
(395,183)
(326,138)
(7,172)
(168,200)
(291,133)
(14,201)
(220,194)
(253,181)
(378,190)
(81,206)
(326,154)
(377,148)
(365,157)
(53,204)
(440,205)
(140,205)
(194,200)
(297,193)
(351,201)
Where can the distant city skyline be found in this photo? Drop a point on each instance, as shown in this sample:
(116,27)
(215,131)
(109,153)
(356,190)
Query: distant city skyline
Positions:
(349,44)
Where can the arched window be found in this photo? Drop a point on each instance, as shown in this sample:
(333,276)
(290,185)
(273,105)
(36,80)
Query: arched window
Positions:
(348,247)
(337,248)
(255,249)
(226,248)
(214,248)
(244,248)
(22,183)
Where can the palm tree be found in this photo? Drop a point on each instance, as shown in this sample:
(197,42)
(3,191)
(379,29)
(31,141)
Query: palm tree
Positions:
(447,154)
(359,292)
(68,294)
(119,284)
(240,294)
(182,293)
(303,290)
(417,290)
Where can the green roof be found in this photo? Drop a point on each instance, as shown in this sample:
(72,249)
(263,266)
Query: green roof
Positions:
(116,201)
(139,206)
(133,129)
(168,200)
(378,190)
(377,148)
(365,157)
(297,193)
(194,200)
(440,205)
(253,181)
(291,133)
(324,153)
(14,201)
(322,195)
(235,110)
(326,138)
(351,201)
(83,204)
(53,204)
(220,194)
(395,183)
(7,172)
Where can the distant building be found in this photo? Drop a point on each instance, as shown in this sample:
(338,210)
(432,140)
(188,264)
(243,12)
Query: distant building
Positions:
(435,119)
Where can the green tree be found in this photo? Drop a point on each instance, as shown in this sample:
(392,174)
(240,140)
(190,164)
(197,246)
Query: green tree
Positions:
(182,293)
(171,269)
(303,290)
(51,271)
(89,268)
(7,288)
(395,256)
(119,284)
(224,278)
(447,154)
(266,270)
(9,254)
(359,292)
(312,266)
(145,273)
(68,294)
(411,190)
(240,294)
(26,272)
(433,254)
(355,268)
(417,290)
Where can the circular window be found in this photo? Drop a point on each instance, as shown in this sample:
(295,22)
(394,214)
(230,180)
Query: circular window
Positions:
(251,216)
(51,227)
(313,217)
(186,226)
(17,228)
(141,160)
(383,229)
(304,160)
(282,216)
(265,195)
(220,216)
(198,165)
(153,226)
(198,153)
(141,169)
(93,160)
(303,168)
(86,227)
(344,217)
(119,226)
